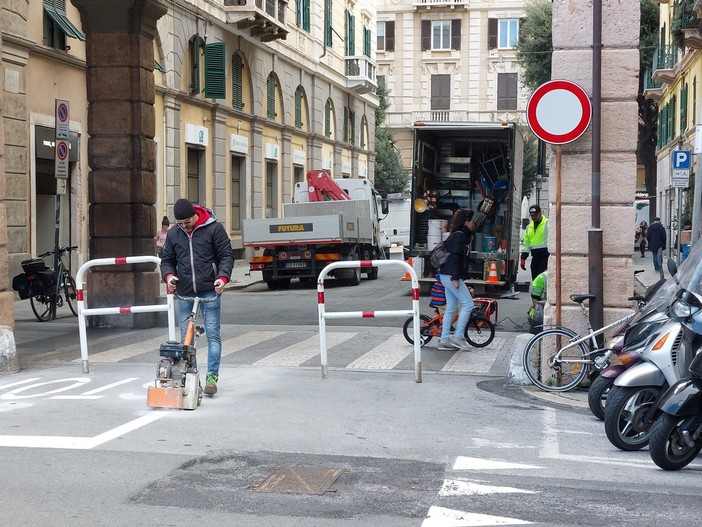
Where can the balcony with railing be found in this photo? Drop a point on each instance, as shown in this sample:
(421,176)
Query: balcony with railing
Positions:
(360,73)
(264,18)
(651,89)
(429,4)
(664,60)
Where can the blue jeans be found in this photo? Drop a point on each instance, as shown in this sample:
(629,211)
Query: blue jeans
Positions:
(210,315)
(658,259)
(454,296)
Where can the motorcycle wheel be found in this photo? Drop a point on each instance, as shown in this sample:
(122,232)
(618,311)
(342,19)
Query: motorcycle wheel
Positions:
(408,329)
(597,396)
(667,448)
(624,414)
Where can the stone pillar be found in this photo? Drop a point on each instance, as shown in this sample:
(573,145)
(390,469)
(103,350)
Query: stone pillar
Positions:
(8,352)
(572,60)
(121,152)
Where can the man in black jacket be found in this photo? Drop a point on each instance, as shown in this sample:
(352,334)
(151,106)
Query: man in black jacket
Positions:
(655,235)
(197,262)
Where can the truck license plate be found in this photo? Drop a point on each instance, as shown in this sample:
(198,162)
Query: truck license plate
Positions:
(295,265)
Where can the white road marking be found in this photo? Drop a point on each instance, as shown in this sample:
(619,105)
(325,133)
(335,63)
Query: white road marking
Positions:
(79,443)
(112,385)
(479,442)
(6,406)
(13,394)
(442,517)
(385,356)
(476,463)
(303,351)
(77,397)
(477,360)
(246,340)
(460,487)
(12,384)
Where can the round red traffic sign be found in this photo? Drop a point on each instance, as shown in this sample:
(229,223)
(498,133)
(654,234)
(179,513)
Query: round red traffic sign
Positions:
(62,112)
(62,150)
(559,112)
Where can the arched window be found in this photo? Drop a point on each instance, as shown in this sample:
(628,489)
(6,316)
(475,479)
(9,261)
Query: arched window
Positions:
(270,97)
(329,120)
(237,82)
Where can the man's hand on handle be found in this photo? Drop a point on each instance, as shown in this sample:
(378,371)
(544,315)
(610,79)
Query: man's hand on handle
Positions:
(219,286)
(171,283)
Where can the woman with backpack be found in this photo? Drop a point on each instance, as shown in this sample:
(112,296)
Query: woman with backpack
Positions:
(452,273)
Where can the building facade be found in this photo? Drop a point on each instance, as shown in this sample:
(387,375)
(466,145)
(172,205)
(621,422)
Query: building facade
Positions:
(249,96)
(449,61)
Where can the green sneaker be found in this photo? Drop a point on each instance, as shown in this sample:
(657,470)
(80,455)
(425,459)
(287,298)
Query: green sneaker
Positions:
(211,385)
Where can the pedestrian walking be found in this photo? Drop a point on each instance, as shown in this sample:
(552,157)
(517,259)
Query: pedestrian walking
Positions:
(536,242)
(161,236)
(640,237)
(452,275)
(656,237)
(197,262)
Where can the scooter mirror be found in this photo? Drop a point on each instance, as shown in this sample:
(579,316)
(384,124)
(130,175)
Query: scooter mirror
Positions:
(673,269)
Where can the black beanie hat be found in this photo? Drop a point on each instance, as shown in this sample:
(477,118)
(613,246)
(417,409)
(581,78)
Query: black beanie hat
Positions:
(165,221)
(183,209)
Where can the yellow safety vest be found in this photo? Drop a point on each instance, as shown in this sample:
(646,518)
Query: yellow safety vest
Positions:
(536,238)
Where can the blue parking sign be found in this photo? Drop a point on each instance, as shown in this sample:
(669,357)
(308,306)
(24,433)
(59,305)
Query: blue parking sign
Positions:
(681,159)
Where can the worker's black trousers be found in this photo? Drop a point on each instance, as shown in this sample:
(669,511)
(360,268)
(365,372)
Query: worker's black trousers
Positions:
(539,262)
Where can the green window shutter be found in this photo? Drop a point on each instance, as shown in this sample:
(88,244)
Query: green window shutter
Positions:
(366,42)
(270,97)
(352,35)
(328,30)
(195,64)
(298,108)
(327,119)
(671,118)
(237,82)
(346,125)
(306,15)
(298,13)
(664,125)
(215,71)
(683,108)
(363,132)
(352,119)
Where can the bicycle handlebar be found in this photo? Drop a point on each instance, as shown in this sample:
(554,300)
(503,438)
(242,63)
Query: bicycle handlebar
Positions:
(62,251)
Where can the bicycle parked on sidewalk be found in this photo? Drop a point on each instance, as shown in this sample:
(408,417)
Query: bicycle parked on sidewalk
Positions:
(47,289)
(558,358)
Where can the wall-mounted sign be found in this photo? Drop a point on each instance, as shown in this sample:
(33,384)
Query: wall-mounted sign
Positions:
(299,157)
(239,144)
(196,135)
(272,151)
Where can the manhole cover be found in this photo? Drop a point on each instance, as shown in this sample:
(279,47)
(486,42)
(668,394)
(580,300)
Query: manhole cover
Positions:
(299,480)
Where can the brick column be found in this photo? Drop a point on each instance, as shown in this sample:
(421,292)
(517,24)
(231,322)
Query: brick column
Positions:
(121,151)
(572,60)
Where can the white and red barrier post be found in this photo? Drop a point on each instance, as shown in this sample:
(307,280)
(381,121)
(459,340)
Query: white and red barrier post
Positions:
(119,310)
(365,264)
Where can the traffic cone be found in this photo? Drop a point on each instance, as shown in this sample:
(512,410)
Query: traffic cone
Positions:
(407,275)
(492,277)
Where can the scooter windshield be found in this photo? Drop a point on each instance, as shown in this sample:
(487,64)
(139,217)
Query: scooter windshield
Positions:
(690,272)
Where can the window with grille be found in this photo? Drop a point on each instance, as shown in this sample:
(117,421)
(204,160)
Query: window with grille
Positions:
(270,97)
(237,82)
(236,194)
(506,91)
(195,168)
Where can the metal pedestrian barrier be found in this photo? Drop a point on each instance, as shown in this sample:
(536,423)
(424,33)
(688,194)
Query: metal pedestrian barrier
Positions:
(365,264)
(83,311)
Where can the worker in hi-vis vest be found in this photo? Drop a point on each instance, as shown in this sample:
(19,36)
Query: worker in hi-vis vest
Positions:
(536,242)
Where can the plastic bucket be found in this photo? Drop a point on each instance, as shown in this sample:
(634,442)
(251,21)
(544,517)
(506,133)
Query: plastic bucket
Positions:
(436,227)
(685,251)
(489,244)
(433,240)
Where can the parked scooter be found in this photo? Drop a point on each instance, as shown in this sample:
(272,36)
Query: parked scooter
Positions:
(631,403)
(676,436)
(627,348)
(626,345)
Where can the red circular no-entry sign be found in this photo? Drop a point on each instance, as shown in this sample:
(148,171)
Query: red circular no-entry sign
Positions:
(559,112)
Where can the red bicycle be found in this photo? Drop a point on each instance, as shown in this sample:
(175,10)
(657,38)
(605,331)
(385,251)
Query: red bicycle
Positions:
(479,330)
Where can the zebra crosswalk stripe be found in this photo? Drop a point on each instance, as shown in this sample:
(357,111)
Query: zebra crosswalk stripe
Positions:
(385,356)
(246,340)
(303,351)
(126,352)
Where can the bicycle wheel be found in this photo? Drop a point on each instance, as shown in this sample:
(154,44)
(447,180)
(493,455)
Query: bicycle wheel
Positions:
(479,332)
(69,290)
(408,329)
(41,305)
(538,356)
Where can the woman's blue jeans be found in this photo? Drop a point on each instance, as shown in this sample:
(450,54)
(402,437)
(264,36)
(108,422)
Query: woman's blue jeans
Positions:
(211,316)
(455,296)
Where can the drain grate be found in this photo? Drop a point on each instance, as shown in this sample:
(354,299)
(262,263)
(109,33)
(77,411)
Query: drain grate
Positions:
(299,480)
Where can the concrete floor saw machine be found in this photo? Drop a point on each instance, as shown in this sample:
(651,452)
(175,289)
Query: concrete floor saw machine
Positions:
(177,383)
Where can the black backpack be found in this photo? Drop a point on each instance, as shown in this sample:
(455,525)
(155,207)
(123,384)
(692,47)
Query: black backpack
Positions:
(439,255)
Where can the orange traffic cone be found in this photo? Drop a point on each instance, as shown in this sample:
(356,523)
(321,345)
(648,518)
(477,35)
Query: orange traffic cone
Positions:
(492,277)
(407,275)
